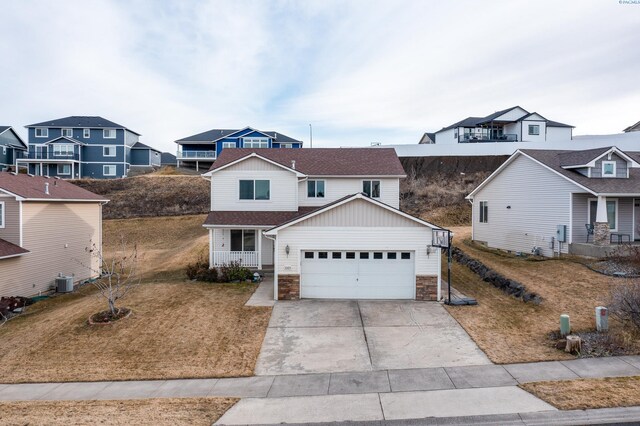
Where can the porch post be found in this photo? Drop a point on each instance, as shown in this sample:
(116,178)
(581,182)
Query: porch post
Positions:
(601,232)
(259,237)
(211,248)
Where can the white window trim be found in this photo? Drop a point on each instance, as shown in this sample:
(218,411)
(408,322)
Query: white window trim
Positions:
(286,145)
(243,200)
(104,170)
(615,168)
(104,135)
(480,214)
(228,145)
(62,132)
(261,142)
(62,173)
(530,126)
(86,133)
(315,191)
(371,180)
(108,148)
(2,215)
(45,133)
(608,199)
(60,152)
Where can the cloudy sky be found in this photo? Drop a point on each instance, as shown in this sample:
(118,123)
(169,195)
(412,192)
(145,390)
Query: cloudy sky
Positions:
(358,71)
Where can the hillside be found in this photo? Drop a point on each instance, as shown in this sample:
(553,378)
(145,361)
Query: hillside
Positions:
(151,195)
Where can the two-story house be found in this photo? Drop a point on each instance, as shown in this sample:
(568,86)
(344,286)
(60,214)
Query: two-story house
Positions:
(326,220)
(46,226)
(201,150)
(552,201)
(11,147)
(509,125)
(79,147)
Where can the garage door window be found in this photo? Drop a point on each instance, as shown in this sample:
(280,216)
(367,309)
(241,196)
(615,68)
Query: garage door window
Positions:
(336,255)
(308,255)
(351,255)
(405,256)
(392,256)
(322,255)
(377,255)
(364,255)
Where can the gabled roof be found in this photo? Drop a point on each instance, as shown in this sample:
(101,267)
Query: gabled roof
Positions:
(31,188)
(72,140)
(167,158)
(8,250)
(475,121)
(140,145)
(531,114)
(633,128)
(580,158)
(553,161)
(551,123)
(217,134)
(344,200)
(23,145)
(80,121)
(428,138)
(497,114)
(366,162)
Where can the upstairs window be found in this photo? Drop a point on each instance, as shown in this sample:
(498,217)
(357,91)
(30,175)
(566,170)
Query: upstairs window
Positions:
(109,151)
(484,211)
(286,145)
(62,149)
(42,132)
(315,189)
(1,214)
(86,133)
(256,142)
(534,129)
(371,188)
(254,190)
(608,169)
(228,145)
(67,133)
(109,133)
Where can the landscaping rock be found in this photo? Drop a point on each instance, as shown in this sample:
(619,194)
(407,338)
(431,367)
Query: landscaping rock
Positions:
(509,286)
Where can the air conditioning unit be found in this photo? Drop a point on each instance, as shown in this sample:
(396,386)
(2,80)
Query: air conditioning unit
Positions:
(64,284)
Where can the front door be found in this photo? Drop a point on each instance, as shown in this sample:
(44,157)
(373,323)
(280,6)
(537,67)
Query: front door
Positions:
(636,218)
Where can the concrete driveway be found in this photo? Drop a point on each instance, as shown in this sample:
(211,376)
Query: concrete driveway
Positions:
(322,336)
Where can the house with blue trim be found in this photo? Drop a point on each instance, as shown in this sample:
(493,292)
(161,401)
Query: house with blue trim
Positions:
(11,147)
(80,147)
(203,149)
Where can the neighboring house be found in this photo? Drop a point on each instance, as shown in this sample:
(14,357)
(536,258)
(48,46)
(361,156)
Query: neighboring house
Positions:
(82,147)
(428,138)
(521,205)
(46,226)
(11,147)
(203,149)
(633,128)
(144,156)
(327,221)
(168,159)
(510,125)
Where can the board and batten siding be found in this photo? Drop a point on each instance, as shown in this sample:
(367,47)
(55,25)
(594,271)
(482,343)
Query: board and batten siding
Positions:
(56,234)
(336,188)
(300,238)
(11,230)
(359,213)
(621,166)
(225,187)
(539,200)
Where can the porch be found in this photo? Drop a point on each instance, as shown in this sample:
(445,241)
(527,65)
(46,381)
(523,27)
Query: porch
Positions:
(244,245)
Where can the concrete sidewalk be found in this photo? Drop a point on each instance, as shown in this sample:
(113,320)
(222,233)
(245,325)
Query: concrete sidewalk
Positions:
(348,383)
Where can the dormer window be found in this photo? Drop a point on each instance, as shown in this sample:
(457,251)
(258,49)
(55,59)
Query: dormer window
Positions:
(608,169)
(256,143)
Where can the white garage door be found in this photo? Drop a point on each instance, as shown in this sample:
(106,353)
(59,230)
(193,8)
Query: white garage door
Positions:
(357,275)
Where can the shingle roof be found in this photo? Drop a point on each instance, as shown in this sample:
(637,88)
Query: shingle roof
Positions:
(3,128)
(579,158)
(20,144)
(255,218)
(167,158)
(474,121)
(140,145)
(33,187)
(8,249)
(81,121)
(552,159)
(324,161)
(551,123)
(214,134)
(632,128)
(497,114)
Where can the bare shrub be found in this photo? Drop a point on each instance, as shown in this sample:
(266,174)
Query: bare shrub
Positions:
(625,303)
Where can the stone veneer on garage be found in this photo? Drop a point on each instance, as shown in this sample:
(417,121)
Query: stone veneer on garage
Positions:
(288,287)
(426,287)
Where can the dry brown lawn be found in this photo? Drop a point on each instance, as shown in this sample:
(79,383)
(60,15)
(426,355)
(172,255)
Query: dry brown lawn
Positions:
(178,329)
(588,393)
(158,412)
(509,330)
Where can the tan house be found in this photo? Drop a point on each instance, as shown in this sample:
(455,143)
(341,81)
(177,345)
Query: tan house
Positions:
(46,224)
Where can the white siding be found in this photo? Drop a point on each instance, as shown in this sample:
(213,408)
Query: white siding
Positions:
(560,134)
(540,137)
(300,238)
(222,242)
(446,137)
(539,201)
(511,115)
(56,234)
(225,187)
(359,213)
(336,188)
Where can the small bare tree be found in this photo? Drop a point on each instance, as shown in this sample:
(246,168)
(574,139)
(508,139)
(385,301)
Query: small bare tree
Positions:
(625,302)
(117,274)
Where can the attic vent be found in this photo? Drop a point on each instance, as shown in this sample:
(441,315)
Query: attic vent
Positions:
(46,188)
(293,164)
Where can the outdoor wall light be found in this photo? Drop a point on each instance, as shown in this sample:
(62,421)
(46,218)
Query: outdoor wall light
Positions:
(509,207)
(287,249)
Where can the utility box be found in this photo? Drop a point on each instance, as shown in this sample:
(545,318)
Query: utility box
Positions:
(561,233)
(602,318)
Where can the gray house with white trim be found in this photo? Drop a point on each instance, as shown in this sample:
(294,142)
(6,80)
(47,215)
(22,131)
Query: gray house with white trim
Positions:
(552,201)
